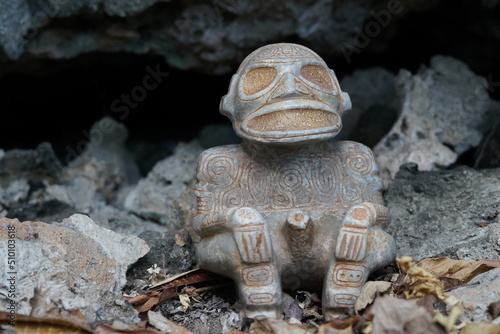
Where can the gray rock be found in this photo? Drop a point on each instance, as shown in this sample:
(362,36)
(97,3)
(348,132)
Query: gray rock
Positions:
(94,176)
(478,294)
(70,267)
(488,153)
(35,164)
(452,213)
(209,35)
(372,92)
(172,251)
(442,113)
(123,222)
(153,197)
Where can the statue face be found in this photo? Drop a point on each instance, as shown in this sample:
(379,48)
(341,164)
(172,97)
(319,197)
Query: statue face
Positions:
(285,93)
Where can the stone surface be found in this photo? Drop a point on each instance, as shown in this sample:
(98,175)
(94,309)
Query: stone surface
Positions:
(93,177)
(153,197)
(288,209)
(211,35)
(70,269)
(172,251)
(443,109)
(453,213)
(374,105)
(478,294)
(488,153)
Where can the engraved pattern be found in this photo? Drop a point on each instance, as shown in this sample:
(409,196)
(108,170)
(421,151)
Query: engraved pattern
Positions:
(345,299)
(261,298)
(257,275)
(359,163)
(253,244)
(220,169)
(325,173)
(285,52)
(274,183)
(349,275)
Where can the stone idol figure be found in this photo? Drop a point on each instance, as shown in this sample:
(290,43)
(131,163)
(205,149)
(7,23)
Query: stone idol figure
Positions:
(287,208)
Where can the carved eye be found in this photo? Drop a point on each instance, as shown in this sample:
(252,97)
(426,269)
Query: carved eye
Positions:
(318,75)
(257,79)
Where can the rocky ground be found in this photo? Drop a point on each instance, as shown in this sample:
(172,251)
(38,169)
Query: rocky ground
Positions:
(96,191)
(91,232)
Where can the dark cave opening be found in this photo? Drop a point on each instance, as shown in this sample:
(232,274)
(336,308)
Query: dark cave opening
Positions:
(58,100)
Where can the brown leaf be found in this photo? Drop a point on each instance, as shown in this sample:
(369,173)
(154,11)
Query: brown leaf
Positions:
(30,325)
(480,328)
(263,325)
(340,326)
(457,269)
(106,329)
(172,286)
(422,282)
(164,325)
(149,304)
(493,263)
(395,315)
(370,290)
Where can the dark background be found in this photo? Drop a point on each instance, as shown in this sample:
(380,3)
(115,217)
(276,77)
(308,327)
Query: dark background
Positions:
(56,100)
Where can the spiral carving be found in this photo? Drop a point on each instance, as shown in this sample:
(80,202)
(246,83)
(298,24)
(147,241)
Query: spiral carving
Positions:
(220,169)
(326,177)
(257,184)
(232,198)
(281,201)
(359,163)
(353,192)
(291,177)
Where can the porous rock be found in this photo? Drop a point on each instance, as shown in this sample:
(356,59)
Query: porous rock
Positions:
(478,294)
(213,35)
(374,105)
(443,108)
(69,269)
(153,197)
(453,213)
(94,176)
(172,251)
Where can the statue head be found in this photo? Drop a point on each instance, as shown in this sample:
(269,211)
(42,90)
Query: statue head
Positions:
(285,94)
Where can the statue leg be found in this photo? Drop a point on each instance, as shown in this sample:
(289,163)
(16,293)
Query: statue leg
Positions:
(349,266)
(258,277)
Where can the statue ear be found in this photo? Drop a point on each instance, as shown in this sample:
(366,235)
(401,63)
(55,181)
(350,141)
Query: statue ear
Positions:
(223,106)
(346,102)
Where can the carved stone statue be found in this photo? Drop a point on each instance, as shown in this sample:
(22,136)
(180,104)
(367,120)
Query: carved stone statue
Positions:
(287,208)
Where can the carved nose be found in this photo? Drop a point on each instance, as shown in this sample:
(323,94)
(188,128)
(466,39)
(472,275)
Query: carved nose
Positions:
(290,86)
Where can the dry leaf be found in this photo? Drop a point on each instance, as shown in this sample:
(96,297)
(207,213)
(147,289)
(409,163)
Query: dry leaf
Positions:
(30,325)
(185,301)
(370,290)
(339,326)
(263,325)
(394,315)
(449,322)
(163,324)
(179,241)
(106,329)
(457,269)
(421,282)
(169,288)
(480,328)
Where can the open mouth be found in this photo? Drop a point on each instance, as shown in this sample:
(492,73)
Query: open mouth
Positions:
(289,122)
(300,119)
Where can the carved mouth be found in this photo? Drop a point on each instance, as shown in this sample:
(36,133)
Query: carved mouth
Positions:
(292,122)
(301,119)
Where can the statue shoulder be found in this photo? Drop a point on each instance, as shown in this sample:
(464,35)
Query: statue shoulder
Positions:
(219,163)
(349,146)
